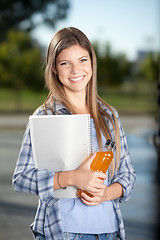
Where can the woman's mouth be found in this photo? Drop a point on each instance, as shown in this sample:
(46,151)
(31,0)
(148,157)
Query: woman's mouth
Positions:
(77,79)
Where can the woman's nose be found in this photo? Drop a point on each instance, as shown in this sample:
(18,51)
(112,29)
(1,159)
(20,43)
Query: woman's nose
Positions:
(74,68)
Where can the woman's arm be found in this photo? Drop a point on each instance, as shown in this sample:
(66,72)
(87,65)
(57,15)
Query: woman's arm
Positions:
(82,178)
(122,183)
(26,177)
(125,175)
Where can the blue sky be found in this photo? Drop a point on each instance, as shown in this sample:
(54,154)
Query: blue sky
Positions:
(128,25)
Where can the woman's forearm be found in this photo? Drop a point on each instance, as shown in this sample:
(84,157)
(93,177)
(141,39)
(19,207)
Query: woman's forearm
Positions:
(63,179)
(82,177)
(113,191)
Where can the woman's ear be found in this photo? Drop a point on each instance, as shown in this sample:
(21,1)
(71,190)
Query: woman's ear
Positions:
(54,70)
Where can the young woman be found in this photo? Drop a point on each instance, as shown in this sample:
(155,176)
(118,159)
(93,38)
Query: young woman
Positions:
(70,76)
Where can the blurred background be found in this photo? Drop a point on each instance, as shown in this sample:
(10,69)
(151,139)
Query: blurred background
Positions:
(126,38)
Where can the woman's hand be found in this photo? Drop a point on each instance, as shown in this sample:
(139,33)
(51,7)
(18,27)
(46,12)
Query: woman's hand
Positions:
(82,178)
(111,192)
(86,179)
(97,198)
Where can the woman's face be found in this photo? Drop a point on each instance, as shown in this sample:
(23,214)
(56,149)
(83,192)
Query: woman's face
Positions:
(73,66)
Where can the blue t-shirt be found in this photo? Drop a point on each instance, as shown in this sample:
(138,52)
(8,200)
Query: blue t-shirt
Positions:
(78,217)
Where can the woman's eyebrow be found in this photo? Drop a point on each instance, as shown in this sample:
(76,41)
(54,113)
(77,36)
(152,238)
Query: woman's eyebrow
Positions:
(63,60)
(83,57)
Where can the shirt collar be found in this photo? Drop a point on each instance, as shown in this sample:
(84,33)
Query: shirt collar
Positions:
(60,108)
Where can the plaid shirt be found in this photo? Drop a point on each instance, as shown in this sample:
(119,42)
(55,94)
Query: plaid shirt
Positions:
(28,179)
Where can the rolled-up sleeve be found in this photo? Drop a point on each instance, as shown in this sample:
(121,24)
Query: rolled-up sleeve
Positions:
(125,175)
(27,178)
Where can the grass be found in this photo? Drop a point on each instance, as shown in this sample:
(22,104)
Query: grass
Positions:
(20,102)
(124,100)
(138,97)
(130,103)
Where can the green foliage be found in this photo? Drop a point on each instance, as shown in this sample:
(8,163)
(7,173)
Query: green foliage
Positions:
(27,14)
(112,69)
(149,68)
(20,62)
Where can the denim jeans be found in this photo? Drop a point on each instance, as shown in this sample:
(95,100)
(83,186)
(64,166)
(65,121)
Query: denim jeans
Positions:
(81,236)
(78,236)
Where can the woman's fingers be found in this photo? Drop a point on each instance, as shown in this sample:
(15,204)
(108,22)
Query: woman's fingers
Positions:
(86,164)
(92,200)
(86,179)
(100,175)
(97,189)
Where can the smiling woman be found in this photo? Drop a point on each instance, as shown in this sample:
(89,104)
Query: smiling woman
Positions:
(71,51)
(74,70)
(70,75)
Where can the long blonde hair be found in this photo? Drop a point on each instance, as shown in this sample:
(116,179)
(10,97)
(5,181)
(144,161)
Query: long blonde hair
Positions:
(63,39)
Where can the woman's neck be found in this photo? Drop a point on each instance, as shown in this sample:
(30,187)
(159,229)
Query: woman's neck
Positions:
(78,102)
(82,110)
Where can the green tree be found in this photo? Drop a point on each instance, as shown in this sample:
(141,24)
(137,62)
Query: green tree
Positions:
(27,14)
(20,62)
(112,69)
(149,68)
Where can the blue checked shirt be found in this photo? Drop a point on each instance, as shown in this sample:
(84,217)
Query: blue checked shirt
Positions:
(28,179)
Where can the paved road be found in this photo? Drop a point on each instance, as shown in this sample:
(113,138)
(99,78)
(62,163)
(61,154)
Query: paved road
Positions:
(17,210)
(129,122)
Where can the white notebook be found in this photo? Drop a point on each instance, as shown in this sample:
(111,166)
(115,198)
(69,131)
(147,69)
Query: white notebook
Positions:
(60,143)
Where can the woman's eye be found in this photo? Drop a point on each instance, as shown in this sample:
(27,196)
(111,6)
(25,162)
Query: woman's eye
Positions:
(63,63)
(83,60)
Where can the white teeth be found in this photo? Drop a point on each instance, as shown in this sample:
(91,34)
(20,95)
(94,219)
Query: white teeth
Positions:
(76,79)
